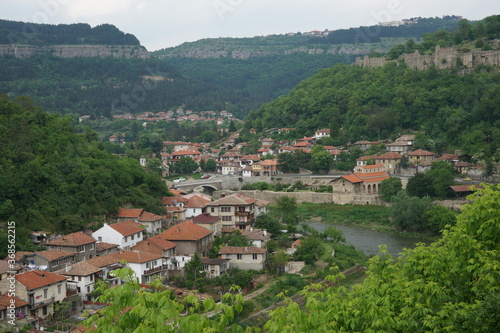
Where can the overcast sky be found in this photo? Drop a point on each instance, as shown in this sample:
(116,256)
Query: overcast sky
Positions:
(165,23)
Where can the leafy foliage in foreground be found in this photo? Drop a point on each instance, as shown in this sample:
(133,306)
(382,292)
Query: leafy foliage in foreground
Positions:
(57,180)
(452,285)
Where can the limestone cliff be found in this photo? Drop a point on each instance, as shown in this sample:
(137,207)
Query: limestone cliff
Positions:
(443,58)
(76,51)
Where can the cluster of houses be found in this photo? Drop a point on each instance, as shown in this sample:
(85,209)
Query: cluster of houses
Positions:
(152,246)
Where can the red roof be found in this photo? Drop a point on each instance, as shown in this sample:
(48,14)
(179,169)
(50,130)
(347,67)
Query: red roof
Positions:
(186,153)
(389,156)
(185,231)
(352,178)
(241,250)
(148,217)
(5,302)
(137,257)
(196,202)
(36,279)
(154,245)
(127,228)
(74,239)
(205,218)
(129,212)
(421,152)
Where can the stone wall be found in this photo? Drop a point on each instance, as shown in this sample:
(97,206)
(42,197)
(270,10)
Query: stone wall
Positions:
(76,51)
(443,58)
(272,197)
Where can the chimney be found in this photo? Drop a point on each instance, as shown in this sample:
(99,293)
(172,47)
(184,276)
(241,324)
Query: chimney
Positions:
(265,232)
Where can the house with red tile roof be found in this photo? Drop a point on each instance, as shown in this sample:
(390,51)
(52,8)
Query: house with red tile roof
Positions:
(360,187)
(150,221)
(156,245)
(195,206)
(269,167)
(125,234)
(209,222)
(103,248)
(322,133)
(389,160)
(48,260)
(421,156)
(236,210)
(189,237)
(107,263)
(245,258)
(146,266)
(13,309)
(214,267)
(82,277)
(40,289)
(78,242)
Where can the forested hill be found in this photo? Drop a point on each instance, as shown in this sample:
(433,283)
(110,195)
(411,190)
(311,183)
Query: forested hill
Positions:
(359,40)
(14,32)
(449,110)
(54,179)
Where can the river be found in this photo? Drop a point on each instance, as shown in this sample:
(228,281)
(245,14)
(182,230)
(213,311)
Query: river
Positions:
(367,240)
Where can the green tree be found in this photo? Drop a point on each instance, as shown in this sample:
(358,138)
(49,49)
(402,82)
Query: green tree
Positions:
(410,213)
(154,165)
(186,165)
(441,173)
(287,163)
(420,185)
(390,187)
(309,250)
(321,160)
(194,272)
(438,217)
(287,208)
(210,166)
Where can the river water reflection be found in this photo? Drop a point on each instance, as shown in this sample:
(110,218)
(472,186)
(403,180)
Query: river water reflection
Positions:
(367,241)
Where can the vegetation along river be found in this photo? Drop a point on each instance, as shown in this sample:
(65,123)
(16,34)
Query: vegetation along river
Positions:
(368,241)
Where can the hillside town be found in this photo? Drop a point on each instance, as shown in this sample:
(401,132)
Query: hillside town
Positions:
(158,247)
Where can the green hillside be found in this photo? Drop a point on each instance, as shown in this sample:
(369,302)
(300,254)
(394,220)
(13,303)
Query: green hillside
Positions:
(55,179)
(450,110)
(14,32)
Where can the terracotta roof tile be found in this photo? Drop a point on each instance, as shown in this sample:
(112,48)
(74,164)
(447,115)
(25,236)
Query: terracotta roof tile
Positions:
(138,257)
(205,218)
(233,199)
(184,231)
(127,228)
(82,268)
(352,178)
(154,245)
(389,156)
(5,302)
(103,261)
(172,200)
(148,217)
(74,239)
(196,202)
(129,212)
(36,279)
(51,255)
(101,246)
(421,152)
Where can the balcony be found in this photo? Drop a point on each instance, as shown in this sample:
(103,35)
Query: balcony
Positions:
(46,301)
(243,213)
(156,270)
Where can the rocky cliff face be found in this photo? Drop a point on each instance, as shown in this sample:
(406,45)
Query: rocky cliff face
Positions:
(76,51)
(443,58)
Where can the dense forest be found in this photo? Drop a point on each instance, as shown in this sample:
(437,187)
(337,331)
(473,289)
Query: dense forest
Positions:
(55,179)
(100,87)
(14,32)
(374,34)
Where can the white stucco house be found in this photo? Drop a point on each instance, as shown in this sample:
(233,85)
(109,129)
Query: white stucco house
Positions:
(125,234)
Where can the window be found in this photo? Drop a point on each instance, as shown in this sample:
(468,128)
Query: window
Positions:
(91,246)
(44,311)
(45,293)
(225,209)
(213,209)
(227,218)
(99,239)
(81,248)
(147,265)
(254,256)
(59,288)
(56,263)
(132,237)
(239,256)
